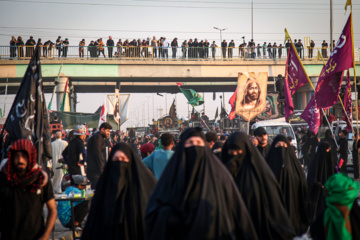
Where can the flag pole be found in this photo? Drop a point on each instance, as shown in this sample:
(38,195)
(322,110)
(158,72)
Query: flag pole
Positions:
(202,120)
(355,87)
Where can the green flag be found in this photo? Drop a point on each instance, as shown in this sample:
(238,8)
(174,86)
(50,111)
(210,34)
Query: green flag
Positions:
(63,100)
(193,97)
(52,96)
(0,112)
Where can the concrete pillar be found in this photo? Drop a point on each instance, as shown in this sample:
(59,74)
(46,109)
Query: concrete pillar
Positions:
(60,92)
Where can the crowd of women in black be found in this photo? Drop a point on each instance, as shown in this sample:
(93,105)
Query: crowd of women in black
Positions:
(241,195)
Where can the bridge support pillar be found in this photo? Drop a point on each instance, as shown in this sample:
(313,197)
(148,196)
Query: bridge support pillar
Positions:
(60,91)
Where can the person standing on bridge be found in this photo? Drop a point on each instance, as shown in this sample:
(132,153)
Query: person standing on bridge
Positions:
(223,48)
(110,46)
(230,49)
(65,47)
(81,48)
(165,48)
(154,45)
(58,45)
(101,47)
(213,49)
(184,47)
(30,44)
(174,46)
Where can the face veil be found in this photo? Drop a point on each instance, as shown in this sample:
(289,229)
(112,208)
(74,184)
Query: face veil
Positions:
(118,207)
(196,198)
(290,175)
(259,188)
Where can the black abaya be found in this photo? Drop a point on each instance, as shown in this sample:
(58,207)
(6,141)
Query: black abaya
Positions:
(196,198)
(291,177)
(259,188)
(118,207)
(321,168)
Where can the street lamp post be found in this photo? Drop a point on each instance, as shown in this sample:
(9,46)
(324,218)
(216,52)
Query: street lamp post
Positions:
(220,29)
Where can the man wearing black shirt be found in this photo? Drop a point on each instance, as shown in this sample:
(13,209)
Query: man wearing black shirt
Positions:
(24,189)
(324,46)
(287,45)
(223,48)
(262,138)
(343,149)
(230,49)
(300,48)
(30,44)
(110,46)
(196,48)
(74,149)
(97,153)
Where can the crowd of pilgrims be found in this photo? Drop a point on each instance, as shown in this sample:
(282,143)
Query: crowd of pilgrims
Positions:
(229,191)
(140,48)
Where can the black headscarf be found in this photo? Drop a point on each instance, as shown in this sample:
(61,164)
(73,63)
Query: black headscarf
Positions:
(196,198)
(321,168)
(118,207)
(291,177)
(259,188)
(331,140)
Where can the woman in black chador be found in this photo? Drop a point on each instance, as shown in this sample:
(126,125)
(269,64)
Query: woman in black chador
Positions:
(196,198)
(291,177)
(259,188)
(118,207)
(321,168)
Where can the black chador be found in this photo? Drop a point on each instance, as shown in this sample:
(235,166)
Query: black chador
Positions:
(291,177)
(196,198)
(118,207)
(259,188)
(321,168)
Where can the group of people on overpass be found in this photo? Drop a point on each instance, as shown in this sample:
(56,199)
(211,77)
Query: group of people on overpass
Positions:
(162,48)
(193,186)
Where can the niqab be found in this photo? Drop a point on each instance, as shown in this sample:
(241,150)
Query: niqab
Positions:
(259,188)
(196,198)
(118,207)
(321,168)
(291,177)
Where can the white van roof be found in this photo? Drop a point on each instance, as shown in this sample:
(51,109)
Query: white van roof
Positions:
(272,122)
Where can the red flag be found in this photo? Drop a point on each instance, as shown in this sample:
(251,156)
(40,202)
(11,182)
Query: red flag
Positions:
(347,103)
(312,115)
(179,84)
(295,77)
(329,83)
(103,113)
(232,103)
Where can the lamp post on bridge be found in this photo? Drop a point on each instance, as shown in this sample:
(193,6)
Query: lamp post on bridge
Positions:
(220,29)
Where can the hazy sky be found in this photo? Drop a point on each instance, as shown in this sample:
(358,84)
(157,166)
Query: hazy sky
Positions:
(131,19)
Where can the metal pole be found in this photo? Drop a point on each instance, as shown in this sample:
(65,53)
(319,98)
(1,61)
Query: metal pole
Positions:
(224,100)
(252,20)
(331,25)
(6,88)
(204,102)
(153,107)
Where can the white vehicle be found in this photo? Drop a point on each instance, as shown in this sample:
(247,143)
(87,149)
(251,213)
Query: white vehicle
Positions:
(275,127)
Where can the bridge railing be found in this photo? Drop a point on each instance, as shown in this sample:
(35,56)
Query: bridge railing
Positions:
(150,53)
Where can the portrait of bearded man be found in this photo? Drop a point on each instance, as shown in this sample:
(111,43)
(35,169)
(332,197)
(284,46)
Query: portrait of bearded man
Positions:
(252,94)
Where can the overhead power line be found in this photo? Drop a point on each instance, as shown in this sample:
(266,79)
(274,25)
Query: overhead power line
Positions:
(163,6)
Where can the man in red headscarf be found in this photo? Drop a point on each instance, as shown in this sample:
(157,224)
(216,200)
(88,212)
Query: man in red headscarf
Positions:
(24,188)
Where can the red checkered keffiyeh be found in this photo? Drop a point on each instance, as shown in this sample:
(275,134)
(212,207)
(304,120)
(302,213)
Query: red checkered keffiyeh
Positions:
(35,177)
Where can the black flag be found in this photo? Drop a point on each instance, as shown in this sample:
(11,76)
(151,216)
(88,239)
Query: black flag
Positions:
(28,117)
(172,111)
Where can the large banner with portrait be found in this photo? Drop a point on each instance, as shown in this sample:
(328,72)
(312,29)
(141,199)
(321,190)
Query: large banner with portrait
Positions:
(271,107)
(251,94)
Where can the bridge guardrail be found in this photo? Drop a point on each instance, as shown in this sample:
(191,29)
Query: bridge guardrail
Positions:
(149,53)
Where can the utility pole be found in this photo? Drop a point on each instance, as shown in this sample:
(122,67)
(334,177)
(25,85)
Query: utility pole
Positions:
(252,20)
(220,29)
(331,25)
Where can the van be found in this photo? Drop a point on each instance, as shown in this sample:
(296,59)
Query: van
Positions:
(275,127)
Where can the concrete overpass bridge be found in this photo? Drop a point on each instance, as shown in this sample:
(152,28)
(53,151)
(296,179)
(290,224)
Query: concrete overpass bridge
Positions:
(144,76)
